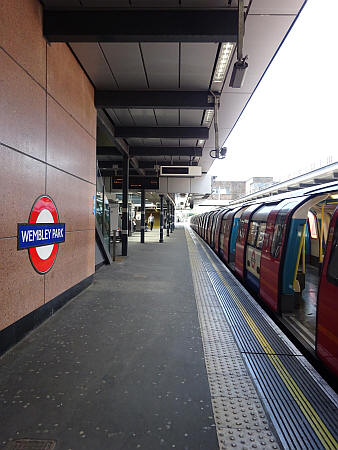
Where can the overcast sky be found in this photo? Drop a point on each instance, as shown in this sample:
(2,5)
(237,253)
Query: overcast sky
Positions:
(292,119)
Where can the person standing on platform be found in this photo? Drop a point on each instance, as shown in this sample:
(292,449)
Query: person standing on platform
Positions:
(151,221)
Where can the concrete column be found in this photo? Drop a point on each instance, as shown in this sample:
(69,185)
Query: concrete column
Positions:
(161,218)
(143,213)
(125,188)
(171,217)
(168,217)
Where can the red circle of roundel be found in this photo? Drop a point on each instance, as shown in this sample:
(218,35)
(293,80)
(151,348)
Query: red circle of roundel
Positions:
(43,265)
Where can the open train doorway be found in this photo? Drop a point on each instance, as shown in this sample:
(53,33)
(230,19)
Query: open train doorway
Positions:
(309,247)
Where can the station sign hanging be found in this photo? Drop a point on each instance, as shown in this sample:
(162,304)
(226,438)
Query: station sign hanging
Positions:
(42,234)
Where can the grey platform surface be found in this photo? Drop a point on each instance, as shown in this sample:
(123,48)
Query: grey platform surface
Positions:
(121,366)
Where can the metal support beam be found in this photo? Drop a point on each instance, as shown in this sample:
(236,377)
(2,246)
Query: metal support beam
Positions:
(122,146)
(107,151)
(176,25)
(168,217)
(125,187)
(143,213)
(166,151)
(154,99)
(161,218)
(163,132)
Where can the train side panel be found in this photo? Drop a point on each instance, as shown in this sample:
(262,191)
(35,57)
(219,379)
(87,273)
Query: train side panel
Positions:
(327,307)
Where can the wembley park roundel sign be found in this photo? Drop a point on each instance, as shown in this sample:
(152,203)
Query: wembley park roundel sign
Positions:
(42,234)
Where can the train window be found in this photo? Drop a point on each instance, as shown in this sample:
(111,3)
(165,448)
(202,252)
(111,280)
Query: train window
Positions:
(253,231)
(332,269)
(312,224)
(261,234)
(241,232)
(278,233)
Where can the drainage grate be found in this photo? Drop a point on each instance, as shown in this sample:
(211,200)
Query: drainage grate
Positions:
(31,444)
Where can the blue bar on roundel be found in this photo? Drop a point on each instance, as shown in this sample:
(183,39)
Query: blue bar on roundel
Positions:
(38,234)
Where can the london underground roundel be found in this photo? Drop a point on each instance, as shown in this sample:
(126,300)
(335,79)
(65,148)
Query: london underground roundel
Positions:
(42,234)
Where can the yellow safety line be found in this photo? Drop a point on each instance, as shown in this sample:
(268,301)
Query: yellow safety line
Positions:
(307,409)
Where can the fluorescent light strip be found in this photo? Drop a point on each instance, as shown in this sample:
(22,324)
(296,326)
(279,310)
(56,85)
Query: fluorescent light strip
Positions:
(223,62)
(209,114)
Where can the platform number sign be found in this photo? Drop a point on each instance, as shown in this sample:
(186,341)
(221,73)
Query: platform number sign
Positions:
(42,234)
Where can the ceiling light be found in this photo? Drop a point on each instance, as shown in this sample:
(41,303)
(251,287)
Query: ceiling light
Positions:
(222,65)
(200,142)
(209,114)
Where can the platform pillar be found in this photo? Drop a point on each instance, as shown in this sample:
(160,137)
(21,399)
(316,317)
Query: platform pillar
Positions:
(171,217)
(125,188)
(143,213)
(161,218)
(168,217)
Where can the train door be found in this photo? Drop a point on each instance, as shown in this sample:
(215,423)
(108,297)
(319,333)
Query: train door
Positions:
(212,228)
(301,274)
(327,311)
(231,232)
(242,238)
(256,236)
(216,238)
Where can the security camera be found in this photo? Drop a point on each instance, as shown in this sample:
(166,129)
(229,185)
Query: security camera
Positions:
(238,74)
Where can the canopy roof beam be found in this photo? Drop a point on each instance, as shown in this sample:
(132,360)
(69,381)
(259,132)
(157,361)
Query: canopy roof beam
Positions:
(174,25)
(163,132)
(154,99)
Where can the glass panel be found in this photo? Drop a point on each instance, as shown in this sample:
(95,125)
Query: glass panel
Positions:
(102,210)
(278,233)
(312,223)
(253,233)
(261,234)
(241,232)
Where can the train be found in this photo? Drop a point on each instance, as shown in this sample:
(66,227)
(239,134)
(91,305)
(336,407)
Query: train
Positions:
(284,249)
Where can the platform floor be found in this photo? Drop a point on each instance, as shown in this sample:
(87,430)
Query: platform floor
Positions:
(149,357)
(121,366)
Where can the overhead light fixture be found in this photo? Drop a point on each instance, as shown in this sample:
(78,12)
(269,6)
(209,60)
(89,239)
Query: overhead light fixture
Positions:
(222,65)
(200,142)
(208,115)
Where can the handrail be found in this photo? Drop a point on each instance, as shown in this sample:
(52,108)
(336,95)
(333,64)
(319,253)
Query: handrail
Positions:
(302,242)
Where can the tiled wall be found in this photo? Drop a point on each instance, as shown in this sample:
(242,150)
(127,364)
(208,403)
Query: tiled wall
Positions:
(47,145)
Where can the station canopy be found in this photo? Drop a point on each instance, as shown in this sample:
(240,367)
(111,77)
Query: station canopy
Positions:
(156,65)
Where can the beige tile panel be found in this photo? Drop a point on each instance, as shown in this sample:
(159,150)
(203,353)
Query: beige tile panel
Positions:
(75,262)
(21,35)
(21,287)
(69,147)
(69,85)
(22,180)
(23,109)
(73,198)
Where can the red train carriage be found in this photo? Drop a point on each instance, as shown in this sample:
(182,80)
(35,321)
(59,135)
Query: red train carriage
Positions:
(327,311)
(278,249)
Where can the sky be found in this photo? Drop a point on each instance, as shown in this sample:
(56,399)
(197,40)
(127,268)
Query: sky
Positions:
(291,121)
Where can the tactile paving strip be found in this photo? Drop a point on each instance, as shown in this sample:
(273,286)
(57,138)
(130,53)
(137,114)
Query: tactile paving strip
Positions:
(240,419)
